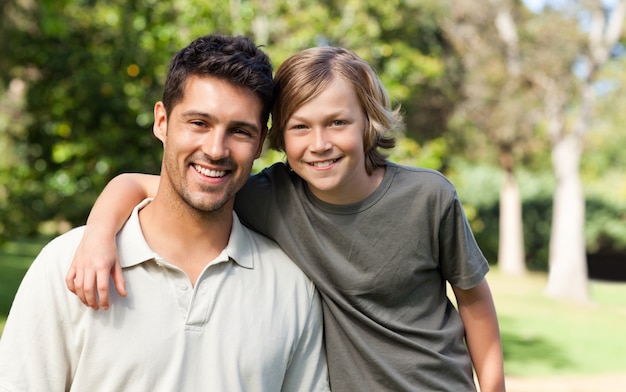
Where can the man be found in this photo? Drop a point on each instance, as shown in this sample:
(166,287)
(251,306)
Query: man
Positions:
(212,305)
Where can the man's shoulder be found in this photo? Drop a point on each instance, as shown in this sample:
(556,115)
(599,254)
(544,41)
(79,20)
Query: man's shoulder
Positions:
(52,262)
(66,242)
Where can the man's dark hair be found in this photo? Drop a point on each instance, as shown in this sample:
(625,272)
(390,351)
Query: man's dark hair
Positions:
(236,60)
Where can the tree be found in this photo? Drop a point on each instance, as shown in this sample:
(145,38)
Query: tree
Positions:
(498,105)
(545,58)
(568,264)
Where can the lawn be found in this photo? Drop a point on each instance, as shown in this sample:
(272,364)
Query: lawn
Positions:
(541,336)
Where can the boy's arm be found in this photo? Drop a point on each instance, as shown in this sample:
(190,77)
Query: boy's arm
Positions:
(96,257)
(482,335)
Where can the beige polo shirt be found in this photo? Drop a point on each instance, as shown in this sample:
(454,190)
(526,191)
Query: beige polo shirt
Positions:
(253,322)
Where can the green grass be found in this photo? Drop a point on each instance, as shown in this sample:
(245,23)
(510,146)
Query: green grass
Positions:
(541,336)
(15,258)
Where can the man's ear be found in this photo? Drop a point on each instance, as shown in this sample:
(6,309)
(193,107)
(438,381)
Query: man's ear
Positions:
(261,141)
(160,122)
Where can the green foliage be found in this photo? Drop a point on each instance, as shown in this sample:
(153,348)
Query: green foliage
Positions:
(93,69)
(430,154)
(268,158)
(93,75)
(606,222)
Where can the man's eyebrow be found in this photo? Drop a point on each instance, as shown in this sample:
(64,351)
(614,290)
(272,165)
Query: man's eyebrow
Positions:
(210,117)
(196,113)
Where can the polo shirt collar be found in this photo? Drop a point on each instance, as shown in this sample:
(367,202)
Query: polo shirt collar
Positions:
(133,248)
(131,244)
(240,245)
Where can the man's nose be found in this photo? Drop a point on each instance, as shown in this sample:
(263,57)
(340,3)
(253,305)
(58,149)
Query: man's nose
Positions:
(215,144)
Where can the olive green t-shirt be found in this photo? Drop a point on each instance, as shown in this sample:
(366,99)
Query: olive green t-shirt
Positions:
(381,266)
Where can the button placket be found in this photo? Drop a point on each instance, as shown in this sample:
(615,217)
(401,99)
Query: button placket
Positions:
(201,303)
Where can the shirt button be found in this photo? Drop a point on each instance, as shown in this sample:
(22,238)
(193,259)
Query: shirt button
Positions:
(183,287)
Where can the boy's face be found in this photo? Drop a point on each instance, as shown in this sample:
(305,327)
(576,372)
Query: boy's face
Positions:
(324,145)
(210,141)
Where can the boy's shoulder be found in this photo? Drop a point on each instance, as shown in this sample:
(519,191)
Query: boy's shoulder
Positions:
(421,176)
(268,255)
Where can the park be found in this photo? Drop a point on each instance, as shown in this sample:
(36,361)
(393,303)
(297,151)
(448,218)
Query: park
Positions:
(520,104)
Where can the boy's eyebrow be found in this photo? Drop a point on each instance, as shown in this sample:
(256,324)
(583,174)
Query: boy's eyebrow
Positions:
(333,114)
(210,117)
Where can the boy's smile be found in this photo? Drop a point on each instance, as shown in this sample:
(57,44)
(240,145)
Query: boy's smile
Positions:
(324,145)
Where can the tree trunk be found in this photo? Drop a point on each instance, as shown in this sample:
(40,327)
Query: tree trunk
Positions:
(511,257)
(567,278)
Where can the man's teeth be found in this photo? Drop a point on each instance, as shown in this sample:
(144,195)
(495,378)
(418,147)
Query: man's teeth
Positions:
(323,164)
(210,173)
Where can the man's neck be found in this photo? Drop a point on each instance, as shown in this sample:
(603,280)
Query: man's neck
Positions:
(185,237)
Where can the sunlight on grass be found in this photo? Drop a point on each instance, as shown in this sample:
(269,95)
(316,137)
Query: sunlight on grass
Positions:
(542,336)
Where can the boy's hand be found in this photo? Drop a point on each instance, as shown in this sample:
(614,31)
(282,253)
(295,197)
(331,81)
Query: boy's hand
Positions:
(94,262)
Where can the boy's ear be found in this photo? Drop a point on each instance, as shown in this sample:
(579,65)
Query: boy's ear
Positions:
(160,122)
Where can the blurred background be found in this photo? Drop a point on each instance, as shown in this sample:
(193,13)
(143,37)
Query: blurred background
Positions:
(521,104)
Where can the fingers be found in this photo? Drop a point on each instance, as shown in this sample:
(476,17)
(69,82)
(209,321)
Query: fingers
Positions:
(69,279)
(84,287)
(102,284)
(75,282)
(92,286)
(118,279)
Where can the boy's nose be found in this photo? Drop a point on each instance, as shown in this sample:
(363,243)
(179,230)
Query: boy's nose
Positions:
(320,140)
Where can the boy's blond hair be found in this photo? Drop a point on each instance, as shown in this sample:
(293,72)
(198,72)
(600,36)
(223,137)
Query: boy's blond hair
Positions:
(305,75)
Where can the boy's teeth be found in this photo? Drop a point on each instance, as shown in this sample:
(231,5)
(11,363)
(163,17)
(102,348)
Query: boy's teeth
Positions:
(323,164)
(210,173)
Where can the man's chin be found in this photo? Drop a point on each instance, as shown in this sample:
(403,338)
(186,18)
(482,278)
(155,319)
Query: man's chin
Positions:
(205,204)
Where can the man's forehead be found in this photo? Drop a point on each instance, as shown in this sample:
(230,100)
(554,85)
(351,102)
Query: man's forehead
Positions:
(216,96)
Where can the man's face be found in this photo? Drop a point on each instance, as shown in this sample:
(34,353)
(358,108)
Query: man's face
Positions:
(210,141)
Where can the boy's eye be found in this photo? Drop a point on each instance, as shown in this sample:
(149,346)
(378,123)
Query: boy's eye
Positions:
(338,123)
